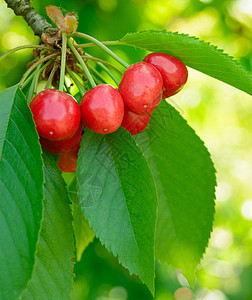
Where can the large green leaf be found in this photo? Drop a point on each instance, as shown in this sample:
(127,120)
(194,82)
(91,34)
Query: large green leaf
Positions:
(118,197)
(195,53)
(185,179)
(52,278)
(21,192)
(83,233)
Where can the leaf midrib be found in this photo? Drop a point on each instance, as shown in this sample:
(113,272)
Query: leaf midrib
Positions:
(117,171)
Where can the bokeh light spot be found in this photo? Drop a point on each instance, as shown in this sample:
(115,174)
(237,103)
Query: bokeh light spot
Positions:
(12,39)
(242,169)
(222,238)
(215,295)
(191,98)
(107,5)
(246,209)
(183,293)
(219,268)
(118,293)
(223,191)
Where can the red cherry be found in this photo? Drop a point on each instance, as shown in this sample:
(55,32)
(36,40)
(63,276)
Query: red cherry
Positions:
(141,88)
(102,109)
(57,147)
(135,123)
(172,69)
(56,114)
(68,159)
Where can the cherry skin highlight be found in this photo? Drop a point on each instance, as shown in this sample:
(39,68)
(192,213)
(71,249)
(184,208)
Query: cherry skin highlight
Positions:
(57,147)
(135,123)
(102,109)
(56,114)
(141,88)
(172,69)
(68,159)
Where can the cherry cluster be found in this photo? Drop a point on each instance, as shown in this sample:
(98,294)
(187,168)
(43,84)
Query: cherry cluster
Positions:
(104,109)
(59,119)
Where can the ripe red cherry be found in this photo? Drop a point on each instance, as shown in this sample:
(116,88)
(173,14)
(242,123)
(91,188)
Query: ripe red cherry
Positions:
(102,109)
(68,159)
(141,88)
(56,114)
(135,123)
(172,69)
(57,147)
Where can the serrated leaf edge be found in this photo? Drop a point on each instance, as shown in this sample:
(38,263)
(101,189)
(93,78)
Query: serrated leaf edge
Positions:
(214,48)
(214,193)
(18,90)
(108,247)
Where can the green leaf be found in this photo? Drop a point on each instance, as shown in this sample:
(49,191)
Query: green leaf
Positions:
(118,197)
(52,278)
(195,53)
(21,190)
(84,234)
(185,179)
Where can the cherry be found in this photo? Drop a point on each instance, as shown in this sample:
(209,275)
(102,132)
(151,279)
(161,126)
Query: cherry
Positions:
(57,147)
(68,159)
(141,88)
(56,114)
(102,109)
(172,69)
(135,123)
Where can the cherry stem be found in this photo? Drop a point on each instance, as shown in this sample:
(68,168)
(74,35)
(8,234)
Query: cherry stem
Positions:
(110,43)
(109,73)
(97,74)
(28,80)
(66,87)
(45,66)
(115,79)
(24,47)
(63,61)
(76,81)
(106,49)
(33,87)
(87,56)
(82,63)
(35,65)
(50,78)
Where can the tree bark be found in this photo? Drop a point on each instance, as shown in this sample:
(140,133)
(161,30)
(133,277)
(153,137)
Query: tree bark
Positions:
(24,8)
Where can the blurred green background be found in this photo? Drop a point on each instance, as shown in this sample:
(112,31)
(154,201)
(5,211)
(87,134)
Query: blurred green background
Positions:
(220,114)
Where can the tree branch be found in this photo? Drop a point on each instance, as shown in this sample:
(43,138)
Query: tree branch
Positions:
(24,8)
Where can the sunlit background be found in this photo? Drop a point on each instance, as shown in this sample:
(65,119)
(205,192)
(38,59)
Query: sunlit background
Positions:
(220,114)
